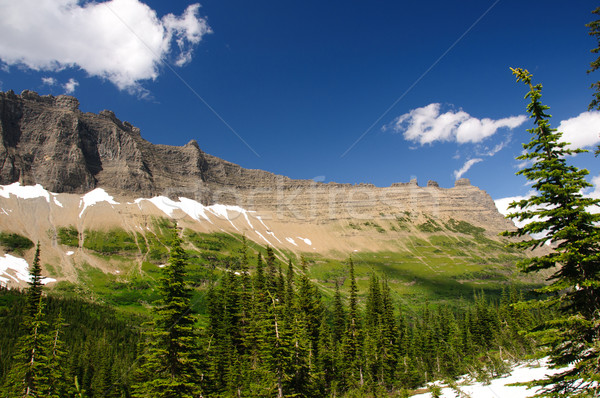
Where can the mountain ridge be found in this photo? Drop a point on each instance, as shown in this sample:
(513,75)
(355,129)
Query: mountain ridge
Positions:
(47,140)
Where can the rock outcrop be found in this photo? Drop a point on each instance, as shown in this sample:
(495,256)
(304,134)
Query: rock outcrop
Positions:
(48,140)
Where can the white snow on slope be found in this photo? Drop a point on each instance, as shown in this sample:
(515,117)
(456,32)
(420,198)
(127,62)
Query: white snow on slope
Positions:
(93,197)
(197,210)
(273,235)
(25,191)
(306,240)
(499,387)
(20,270)
(292,241)
(265,239)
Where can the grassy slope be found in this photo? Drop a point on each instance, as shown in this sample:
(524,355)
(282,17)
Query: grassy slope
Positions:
(437,262)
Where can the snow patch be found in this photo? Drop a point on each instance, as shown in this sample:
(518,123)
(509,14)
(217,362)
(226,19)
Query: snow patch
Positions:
(500,387)
(306,240)
(261,221)
(273,235)
(5,212)
(292,241)
(162,266)
(56,202)
(24,192)
(265,239)
(70,253)
(95,196)
(20,268)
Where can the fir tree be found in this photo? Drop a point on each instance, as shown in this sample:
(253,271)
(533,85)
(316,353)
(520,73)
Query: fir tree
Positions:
(558,213)
(168,366)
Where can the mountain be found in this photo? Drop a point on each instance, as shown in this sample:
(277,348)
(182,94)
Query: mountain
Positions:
(70,179)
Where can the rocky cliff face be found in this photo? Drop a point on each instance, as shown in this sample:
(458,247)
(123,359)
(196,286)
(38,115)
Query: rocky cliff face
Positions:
(49,141)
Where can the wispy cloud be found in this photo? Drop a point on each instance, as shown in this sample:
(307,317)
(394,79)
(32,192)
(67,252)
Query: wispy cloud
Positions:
(123,41)
(468,164)
(581,131)
(427,125)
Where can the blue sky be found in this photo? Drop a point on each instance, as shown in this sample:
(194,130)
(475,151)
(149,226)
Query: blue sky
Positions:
(345,91)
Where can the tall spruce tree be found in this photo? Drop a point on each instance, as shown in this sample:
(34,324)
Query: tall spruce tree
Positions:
(33,372)
(169,367)
(559,214)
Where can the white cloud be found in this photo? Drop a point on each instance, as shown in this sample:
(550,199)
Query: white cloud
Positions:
(120,40)
(70,86)
(49,81)
(426,125)
(581,131)
(459,173)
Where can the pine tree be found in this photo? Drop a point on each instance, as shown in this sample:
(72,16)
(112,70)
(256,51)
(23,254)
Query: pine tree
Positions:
(168,367)
(559,214)
(351,356)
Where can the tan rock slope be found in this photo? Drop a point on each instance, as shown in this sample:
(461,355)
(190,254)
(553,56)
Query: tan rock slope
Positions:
(47,140)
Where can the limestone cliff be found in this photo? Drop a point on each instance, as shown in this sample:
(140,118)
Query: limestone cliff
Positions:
(48,140)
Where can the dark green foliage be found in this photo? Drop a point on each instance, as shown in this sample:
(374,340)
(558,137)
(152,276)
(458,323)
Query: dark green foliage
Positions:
(463,227)
(15,242)
(429,226)
(68,236)
(168,367)
(110,242)
(594,27)
(559,214)
(95,341)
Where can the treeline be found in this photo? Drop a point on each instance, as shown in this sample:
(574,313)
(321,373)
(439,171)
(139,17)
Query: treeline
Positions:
(64,347)
(269,333)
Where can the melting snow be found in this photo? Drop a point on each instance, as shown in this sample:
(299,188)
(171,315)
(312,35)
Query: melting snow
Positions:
(24,192)
(197,210)
(95,196)
(20,268)
(5,212)
(273,235)
(265,239)
(27,192)
(499,387)
(261,221)
(306,240)
(292,241)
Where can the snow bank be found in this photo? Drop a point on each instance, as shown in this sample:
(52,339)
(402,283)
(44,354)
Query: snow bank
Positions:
(93,197)
(292,241)
(24,192)
(19,268)
(198,211)
(306,240)
(500,387)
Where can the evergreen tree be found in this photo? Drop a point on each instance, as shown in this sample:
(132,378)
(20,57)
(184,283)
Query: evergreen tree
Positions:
(168,367)
(594,27)
(558,214)
(29,375)
(351,354)
(34,291)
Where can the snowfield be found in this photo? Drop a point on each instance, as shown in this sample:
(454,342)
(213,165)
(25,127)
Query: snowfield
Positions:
(500,388)
(19,270)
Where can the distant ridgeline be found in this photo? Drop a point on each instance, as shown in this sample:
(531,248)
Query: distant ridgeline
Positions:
(47,140)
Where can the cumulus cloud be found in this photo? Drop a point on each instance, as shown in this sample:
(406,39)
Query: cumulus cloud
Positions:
(427,125)
(581,131)
(123,41)
(70,86)
(468,164)
(49,81)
